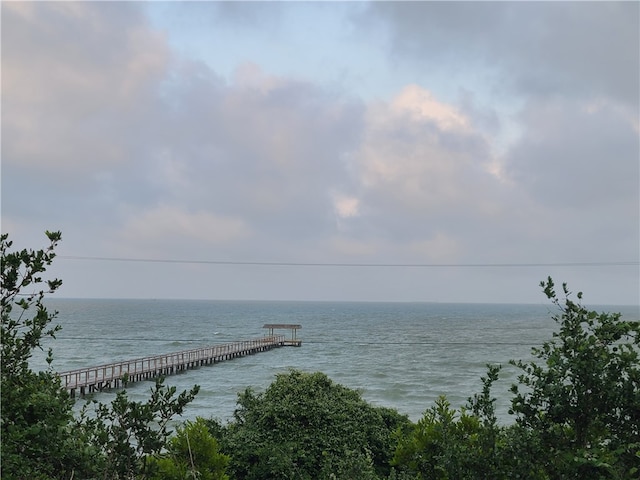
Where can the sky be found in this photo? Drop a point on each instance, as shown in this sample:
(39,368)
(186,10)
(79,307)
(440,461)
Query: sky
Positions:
(343,151)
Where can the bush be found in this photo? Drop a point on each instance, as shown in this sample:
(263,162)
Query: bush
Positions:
(304,426)
(40,437)
(192,452)
(577,410)
(450,444)
(37,441)
(581,399)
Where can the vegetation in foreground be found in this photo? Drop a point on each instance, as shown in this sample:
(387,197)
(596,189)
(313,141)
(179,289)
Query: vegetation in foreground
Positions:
(576,410)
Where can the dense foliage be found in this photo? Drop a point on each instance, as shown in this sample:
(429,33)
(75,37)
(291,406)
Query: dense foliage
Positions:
(124,435)
(581,400)
(36,412)
(304,426)
(192,452)
(41,439)
(577,410)
(576,413)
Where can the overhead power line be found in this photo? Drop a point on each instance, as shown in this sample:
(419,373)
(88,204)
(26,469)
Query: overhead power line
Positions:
(332,342)
(355,265)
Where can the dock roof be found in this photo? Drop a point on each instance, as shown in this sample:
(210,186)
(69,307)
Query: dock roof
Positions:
(290,326)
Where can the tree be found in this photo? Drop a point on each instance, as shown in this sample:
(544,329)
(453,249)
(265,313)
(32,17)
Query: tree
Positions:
(125,435)
(304,426)
(456,444)
(577,410)
(36,410)
(442,445)
(193,451)
(581,398)
(40,437)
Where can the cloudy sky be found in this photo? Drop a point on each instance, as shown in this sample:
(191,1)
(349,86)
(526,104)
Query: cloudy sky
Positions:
(389,151)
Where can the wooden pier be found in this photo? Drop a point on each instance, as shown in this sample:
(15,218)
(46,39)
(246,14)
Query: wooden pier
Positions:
(88,380)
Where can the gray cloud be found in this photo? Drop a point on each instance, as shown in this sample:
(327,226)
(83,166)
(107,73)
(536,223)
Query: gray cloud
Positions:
(577,156)
(570,71)
(251,14)
(69,84)
(136,151)
(532,48)
(261,151)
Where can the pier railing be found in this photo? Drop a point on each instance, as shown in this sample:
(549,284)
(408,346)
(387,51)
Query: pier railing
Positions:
(114,375)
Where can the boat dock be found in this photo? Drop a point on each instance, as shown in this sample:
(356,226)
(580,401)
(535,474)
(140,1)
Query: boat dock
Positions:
(115,375)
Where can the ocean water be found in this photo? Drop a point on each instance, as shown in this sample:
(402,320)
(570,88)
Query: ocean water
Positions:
(398,355)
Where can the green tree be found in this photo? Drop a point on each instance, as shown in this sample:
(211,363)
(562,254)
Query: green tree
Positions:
(193,451)
(124,435)
(577,410)
(36,410)
(304,426)
(40,437)
(450,444)
(581,398)
(442,445)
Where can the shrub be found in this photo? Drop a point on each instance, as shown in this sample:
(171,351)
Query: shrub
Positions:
(192,452)
(304,426)
(581,399)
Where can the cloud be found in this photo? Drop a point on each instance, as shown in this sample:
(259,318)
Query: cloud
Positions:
(133,149)
(566,157)
(74,78)
(535,49)
(577,155)
(157,230)
(144,128)
(422,183)
(265,148)
(249,15)
(421,105)
(350,247)
(439,248)
(346,206)
(422,155)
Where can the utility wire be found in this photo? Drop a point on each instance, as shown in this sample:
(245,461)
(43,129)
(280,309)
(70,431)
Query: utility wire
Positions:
(355,265)
(342,342)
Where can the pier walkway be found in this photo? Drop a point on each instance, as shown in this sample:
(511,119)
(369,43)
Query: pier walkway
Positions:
(94,379)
